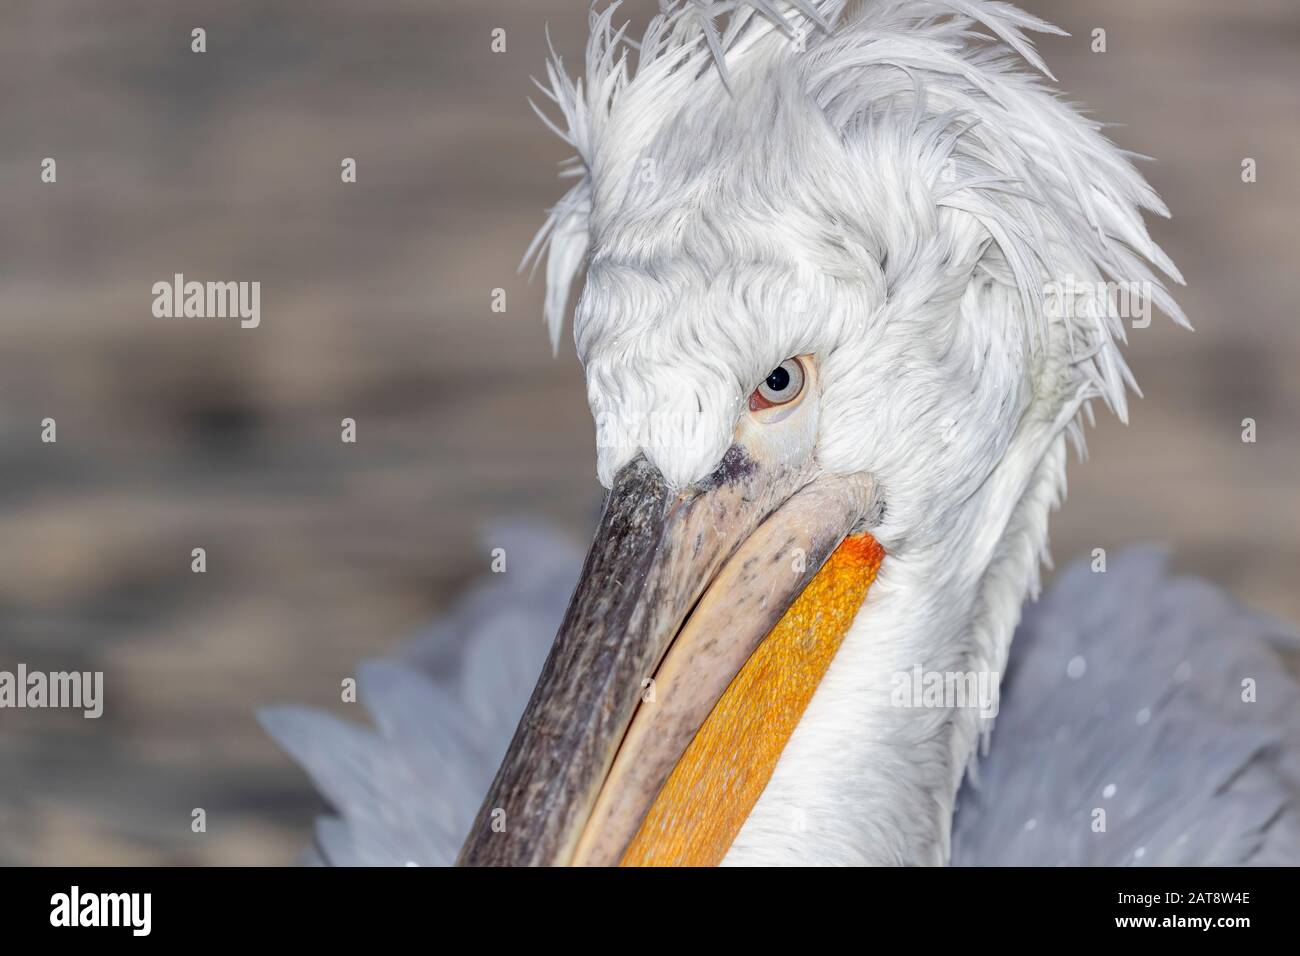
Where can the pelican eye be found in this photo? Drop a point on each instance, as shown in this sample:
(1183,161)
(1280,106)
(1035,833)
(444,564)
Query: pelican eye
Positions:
(781,387)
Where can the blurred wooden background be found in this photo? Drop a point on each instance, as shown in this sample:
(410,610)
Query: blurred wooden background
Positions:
(177,434)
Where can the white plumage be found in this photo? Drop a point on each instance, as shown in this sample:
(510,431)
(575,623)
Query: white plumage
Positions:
(880,184)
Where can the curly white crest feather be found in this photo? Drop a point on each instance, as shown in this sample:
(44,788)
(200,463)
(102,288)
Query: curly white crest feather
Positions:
(932,116)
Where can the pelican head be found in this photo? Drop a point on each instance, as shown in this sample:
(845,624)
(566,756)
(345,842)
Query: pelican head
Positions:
(851,277)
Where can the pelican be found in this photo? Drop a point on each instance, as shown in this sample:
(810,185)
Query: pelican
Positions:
(851,274)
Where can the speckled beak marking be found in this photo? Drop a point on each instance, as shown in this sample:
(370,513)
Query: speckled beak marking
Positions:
(682,588)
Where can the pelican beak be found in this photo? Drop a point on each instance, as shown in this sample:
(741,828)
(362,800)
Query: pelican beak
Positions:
(678,591)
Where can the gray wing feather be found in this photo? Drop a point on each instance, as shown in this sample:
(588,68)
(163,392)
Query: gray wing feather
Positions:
(443,710)
(1125,694)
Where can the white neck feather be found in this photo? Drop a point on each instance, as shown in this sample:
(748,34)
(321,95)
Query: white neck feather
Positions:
(863,780)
